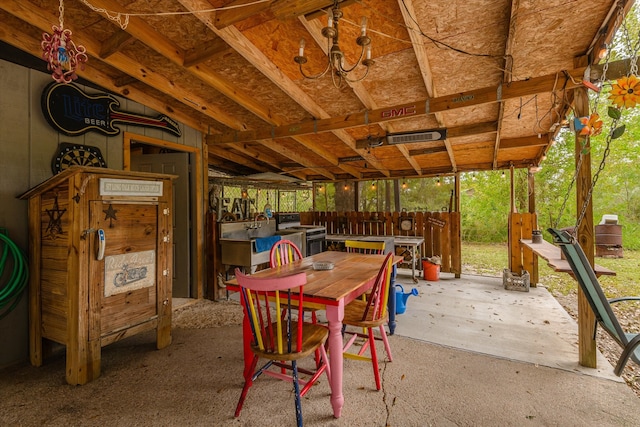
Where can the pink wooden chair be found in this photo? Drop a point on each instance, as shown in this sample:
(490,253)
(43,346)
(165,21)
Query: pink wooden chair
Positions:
(283,252)
(367,316)
(280,339)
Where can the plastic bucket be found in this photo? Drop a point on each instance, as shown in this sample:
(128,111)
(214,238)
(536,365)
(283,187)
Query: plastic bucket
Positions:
(431,271)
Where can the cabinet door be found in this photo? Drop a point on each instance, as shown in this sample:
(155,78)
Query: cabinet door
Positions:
(125,281)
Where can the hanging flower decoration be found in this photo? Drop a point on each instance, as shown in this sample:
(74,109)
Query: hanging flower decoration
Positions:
(61,53)
(592,125)
(625,92)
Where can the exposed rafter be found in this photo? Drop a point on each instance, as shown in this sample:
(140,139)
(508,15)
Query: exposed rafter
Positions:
(244,47)
(506,73)
(315,30)
(417,41)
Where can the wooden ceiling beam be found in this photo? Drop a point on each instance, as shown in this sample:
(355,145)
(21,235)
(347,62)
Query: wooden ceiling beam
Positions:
(237,158)
(314,27)
(27,44)
(232,14)
(487,95)
(525,141)
(322,12)
(279,148)
(144,32)
(430,150)
(126,65)
(506,73)
(293,8)
(417,41)
(205,52)
(42,20)
(244,47)
(115,43)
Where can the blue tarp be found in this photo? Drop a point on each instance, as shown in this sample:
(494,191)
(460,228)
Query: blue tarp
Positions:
(265,243)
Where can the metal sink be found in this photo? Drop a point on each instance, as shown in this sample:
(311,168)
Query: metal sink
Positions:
(238,243)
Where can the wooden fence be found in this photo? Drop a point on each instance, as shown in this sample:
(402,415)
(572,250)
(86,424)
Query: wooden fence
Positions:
(440,230)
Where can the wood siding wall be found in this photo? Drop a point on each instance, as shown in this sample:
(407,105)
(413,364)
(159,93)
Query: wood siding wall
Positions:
(27,145)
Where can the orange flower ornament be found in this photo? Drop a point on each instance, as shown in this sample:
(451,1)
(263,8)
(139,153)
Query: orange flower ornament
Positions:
(592,125)
(625,92)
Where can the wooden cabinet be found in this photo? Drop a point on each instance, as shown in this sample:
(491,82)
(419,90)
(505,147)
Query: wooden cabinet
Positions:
(100,256)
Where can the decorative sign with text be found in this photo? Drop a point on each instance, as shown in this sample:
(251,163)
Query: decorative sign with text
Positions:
(129,187)
(437,222)
(73,112)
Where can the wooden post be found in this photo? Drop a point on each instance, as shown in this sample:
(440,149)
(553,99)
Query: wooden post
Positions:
(534,278)
(586,318)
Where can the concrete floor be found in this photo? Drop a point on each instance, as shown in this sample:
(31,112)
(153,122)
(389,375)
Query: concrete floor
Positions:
(477,314)
(465,353)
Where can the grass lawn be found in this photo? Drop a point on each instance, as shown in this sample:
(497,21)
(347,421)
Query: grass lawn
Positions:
(491,259)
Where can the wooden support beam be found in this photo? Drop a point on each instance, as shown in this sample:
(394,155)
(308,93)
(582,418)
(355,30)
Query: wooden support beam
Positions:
(525,141)
(251,53)
(293,9)
(486,95)
(205,51)
(586,318)
(422,57)
(231,15)
(115,43)
(430,150)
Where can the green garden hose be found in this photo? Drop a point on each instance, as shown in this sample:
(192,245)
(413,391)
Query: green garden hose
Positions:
(11,291)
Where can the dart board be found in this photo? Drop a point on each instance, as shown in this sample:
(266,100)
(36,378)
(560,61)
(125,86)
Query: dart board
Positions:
(76,154)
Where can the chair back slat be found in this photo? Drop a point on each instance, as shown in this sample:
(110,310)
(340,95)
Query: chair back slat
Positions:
(283,252)
(377,299)
(586,277)
(268,304)
(364,247)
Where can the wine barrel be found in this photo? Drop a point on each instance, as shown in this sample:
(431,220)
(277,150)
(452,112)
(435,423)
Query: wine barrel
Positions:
(609,241)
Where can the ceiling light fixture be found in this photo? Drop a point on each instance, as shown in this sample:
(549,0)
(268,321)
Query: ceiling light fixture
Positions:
(335,57)
(63,56)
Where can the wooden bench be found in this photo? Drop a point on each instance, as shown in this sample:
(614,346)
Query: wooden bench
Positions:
(552,254)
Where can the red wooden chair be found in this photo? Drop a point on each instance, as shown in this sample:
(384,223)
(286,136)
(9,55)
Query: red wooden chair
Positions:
(280,339)
(369,315)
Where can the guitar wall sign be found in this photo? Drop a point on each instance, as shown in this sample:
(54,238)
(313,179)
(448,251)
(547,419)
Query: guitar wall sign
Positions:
(73,112)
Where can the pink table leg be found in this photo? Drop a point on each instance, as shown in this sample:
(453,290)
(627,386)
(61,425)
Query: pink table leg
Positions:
(335,314)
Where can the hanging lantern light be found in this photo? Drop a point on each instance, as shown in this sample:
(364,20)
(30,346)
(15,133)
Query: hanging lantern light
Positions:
(61,53)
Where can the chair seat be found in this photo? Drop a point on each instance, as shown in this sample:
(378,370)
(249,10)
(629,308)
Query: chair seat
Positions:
(313,336)
(354,311)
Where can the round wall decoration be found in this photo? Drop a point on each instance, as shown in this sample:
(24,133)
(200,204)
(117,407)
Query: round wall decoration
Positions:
(405,221)
(76,154)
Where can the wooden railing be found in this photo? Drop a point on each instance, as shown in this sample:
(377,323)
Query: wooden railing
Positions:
(440,230)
